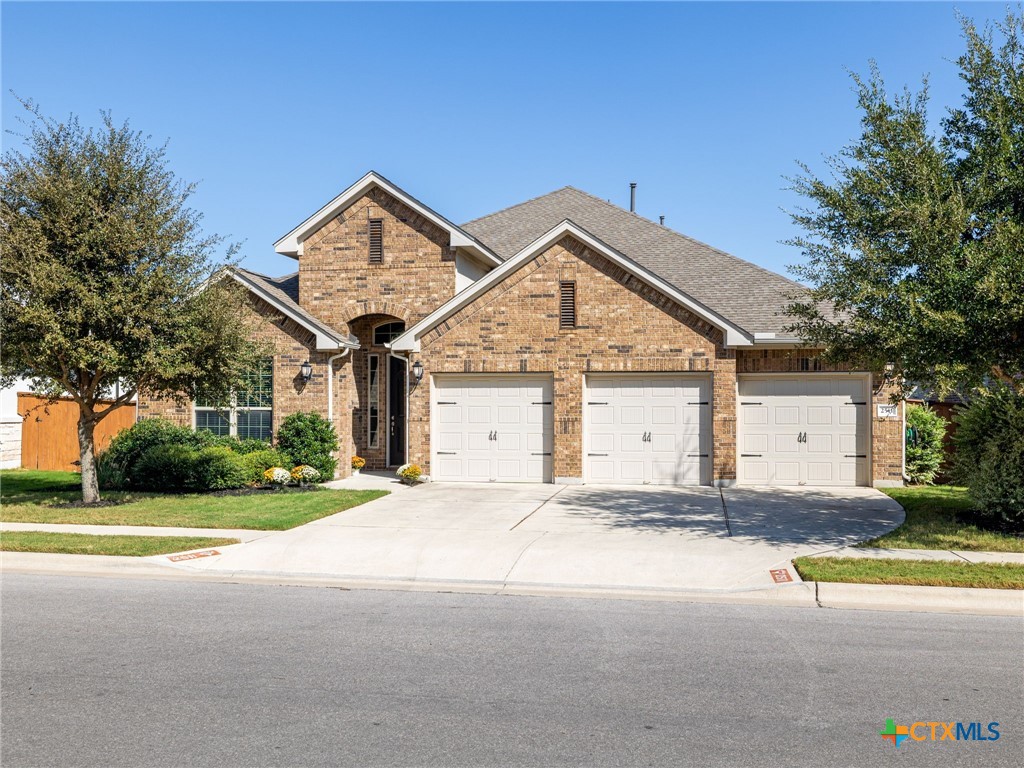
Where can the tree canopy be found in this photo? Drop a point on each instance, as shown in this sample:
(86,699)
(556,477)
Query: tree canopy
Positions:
(914,248)
(106,276)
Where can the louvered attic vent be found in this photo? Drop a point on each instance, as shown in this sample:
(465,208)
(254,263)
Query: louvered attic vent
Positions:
(376,241)
(567,304)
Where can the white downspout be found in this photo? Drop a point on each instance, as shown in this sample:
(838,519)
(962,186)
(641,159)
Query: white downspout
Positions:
(330,383)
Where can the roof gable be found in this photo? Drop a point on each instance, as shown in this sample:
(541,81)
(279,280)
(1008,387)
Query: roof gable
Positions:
(410,340)
(291,244)
(750,296)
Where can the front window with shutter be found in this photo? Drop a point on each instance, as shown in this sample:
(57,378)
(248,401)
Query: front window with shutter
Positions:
(567,304)
(376,241)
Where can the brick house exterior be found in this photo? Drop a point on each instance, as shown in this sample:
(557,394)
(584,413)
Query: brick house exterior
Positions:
(565,293)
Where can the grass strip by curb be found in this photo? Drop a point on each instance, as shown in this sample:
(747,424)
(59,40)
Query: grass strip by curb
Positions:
(920,573)
(89,544)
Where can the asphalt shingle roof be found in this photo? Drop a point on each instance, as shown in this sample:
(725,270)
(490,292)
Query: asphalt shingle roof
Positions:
(285,289)
(748,295)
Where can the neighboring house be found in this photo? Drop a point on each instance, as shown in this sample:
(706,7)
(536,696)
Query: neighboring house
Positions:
(563,339)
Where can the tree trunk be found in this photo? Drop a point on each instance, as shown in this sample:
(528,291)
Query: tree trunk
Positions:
(87,455)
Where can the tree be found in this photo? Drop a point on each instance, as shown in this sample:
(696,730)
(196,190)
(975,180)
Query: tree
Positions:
(914,250)
(107,279)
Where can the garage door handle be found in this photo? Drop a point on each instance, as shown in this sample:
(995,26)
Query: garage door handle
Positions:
(597,454)
(862,403)
(597,403)
(545,402)
(750,455)
(702,402)
(856,456)
(696,455)
(446,402)
(751,403)
(540,454)
(446,453)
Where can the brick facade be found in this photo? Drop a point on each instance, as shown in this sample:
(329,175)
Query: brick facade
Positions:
(623,325)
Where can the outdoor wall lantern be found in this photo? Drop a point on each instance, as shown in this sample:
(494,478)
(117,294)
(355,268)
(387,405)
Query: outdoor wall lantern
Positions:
(306,371)
(417,371)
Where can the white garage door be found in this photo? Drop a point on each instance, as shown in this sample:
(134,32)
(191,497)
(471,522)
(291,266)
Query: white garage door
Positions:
(803,431)
(492,429)
(648,430)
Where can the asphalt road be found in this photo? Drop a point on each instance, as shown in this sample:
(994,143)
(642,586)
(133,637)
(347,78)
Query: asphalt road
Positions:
(106,672)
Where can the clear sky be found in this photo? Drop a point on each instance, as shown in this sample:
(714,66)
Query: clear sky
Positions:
(277,107)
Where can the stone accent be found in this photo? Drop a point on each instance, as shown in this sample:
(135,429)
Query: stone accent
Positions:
(10,442)
(622,325)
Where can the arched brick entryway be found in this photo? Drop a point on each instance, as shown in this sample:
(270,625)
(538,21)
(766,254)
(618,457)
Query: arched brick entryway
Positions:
(379,412)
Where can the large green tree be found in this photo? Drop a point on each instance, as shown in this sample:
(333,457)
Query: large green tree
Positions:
(105,277)
(914,247)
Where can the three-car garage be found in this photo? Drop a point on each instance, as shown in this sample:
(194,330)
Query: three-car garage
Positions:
(652,429)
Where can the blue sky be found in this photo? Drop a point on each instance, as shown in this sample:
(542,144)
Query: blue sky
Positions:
(275,108)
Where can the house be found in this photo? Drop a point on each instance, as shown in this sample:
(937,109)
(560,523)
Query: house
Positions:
(563,340)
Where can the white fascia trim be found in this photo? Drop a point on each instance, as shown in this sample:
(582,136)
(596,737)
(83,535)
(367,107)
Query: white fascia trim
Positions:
(325,341)
(734,336)
(777,340)
(291,244)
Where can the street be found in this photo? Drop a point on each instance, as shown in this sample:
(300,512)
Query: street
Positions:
(118,672)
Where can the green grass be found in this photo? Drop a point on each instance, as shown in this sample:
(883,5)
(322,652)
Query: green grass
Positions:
(87,544)
(28,496)
(925,573)
(932,523)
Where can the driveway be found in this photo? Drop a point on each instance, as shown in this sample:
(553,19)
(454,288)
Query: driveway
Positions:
(619,538)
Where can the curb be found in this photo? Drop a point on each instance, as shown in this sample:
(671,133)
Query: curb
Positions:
(885,597)
(872,597)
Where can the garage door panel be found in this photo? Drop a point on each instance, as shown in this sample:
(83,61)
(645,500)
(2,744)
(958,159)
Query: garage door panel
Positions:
(803,430)
(649,426)
(493,426)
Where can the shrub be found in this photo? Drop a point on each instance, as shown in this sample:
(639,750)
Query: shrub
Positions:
(167,468)
(258,462)
(410,473)
(309,439)
(990,456)
(218,468)
(924,443)
(120,458)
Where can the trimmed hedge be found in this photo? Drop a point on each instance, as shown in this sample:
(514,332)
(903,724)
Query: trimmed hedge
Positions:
(924,451)
(310,439)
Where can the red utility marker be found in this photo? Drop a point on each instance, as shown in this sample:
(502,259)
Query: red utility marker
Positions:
(193,555)
(780,575)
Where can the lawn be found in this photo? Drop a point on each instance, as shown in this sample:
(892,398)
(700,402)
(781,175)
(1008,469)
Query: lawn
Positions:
(29,496)
(928,573)
(86,544)
(932,523)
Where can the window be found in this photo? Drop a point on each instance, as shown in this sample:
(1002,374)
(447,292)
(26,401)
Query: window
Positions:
(373,401)
(567,304)
(376,241)
(385,334)
(249,412)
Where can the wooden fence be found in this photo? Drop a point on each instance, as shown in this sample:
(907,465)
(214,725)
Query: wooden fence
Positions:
(49,432)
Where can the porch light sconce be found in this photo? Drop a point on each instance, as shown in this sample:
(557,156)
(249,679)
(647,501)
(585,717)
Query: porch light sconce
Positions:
(306,371)
(417,371)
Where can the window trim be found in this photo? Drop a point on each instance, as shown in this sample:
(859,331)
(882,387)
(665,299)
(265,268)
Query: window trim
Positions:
(233,408)
(373,332)
(372,401)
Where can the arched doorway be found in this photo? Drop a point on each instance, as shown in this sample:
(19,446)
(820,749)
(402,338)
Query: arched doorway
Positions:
(379,423)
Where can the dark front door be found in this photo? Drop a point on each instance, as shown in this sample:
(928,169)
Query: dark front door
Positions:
(396,412)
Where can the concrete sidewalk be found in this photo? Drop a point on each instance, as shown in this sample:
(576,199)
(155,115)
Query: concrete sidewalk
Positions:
(958,555)
(139,530)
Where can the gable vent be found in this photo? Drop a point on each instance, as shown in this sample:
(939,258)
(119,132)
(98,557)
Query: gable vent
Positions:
(376,241)
(567,304)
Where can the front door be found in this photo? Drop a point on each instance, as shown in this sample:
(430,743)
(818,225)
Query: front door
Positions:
(396,412)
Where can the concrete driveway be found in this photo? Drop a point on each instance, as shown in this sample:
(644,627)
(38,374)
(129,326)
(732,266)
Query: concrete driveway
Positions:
(571,537)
